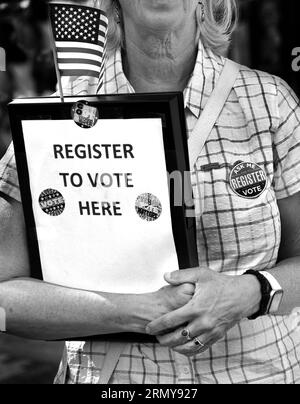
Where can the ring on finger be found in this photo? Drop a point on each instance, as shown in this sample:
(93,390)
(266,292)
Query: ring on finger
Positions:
(199,343)
(186,334)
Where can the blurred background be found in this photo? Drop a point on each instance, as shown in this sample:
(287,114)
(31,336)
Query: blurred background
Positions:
(268,31)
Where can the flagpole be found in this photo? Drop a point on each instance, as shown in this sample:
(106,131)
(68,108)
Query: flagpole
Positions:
(58,76)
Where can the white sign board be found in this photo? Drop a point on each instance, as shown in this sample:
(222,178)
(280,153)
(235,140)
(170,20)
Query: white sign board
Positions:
(101,204)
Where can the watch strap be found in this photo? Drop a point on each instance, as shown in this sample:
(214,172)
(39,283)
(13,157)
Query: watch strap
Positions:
(272,280)
(266,290)
(2,320)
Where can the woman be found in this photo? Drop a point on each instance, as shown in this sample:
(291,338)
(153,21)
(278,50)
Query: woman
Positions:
(201,319)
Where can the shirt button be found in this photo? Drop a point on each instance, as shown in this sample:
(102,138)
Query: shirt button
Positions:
(186,370)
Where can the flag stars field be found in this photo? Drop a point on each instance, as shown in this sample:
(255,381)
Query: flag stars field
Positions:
(80,35)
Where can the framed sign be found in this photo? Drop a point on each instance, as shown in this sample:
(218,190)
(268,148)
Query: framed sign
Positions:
(95,184)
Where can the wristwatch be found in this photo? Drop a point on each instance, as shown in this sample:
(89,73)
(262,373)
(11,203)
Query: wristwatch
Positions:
(272,294)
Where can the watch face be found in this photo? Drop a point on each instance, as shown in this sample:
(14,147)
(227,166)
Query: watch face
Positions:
(275,302)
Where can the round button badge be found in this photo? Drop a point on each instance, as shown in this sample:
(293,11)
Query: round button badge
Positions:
(84,115)
(148,207)
(248,180)
(52,202)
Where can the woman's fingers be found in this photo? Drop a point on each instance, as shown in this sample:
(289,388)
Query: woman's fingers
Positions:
(173,339)
(185,335)
(195,338)
(170,321)
(199,344)
(180,277)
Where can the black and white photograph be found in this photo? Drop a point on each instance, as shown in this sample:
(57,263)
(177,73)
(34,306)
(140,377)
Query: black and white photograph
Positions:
(149,194)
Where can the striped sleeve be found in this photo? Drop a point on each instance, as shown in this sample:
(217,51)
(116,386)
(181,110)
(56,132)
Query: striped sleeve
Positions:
(9,182)
(287,144)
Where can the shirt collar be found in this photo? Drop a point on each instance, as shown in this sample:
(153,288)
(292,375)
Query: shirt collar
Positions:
(115,81)
(203,80)
(201,84)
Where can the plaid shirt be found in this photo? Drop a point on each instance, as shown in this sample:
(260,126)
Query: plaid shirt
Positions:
(260,123)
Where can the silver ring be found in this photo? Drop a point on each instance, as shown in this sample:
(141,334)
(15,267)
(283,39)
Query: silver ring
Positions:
(198,343)
(186,334)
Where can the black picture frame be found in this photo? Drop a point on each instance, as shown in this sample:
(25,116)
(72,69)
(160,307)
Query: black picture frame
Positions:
(167,106)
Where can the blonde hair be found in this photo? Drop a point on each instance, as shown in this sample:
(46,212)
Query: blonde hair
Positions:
(215,31)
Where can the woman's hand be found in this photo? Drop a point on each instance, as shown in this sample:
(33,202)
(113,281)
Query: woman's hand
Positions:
(219,303)
(173,297)
(151,306)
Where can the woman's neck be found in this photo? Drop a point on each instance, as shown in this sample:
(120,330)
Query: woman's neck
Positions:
(160,61)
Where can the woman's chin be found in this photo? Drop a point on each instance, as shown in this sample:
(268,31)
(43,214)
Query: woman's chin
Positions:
(166,19)
(161,3)
(161,8)
(158,14)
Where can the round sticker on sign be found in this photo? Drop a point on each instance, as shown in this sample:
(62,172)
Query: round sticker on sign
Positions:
(84,115)
(148,207)
(52,202)
(248,180)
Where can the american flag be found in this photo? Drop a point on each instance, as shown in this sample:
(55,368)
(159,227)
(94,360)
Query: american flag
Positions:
(80,35)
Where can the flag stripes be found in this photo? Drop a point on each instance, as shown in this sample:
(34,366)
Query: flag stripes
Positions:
(80,35)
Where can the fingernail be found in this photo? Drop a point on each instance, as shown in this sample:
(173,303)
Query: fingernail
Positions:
(168,275)
(148,330)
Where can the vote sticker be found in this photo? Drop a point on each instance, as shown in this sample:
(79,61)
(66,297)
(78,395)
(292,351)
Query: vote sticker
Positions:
(84,115)
(52,202)
(148,207)
(248,180)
